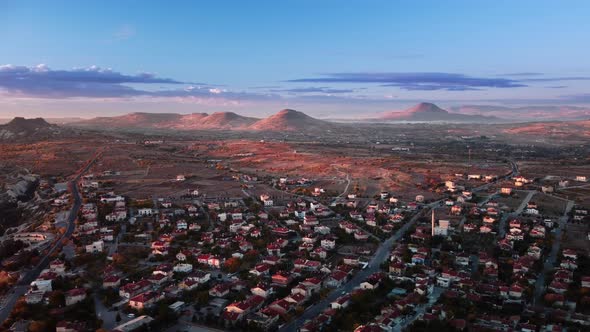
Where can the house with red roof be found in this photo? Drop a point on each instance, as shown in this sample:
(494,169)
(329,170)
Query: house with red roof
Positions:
(336,279)
(281,278)
(515,291)
(111,281)
(262,290)
(220,290)
(145,300)
(132,289)
(341,302)
(282,306)
(75,295)
(260,270)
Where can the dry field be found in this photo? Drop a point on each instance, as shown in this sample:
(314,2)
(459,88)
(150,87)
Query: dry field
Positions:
(549,206)
(152,171)
(577,237)
(541,169)
(212,165)
(50,158)
(580,195)
(331,165)
(513,202)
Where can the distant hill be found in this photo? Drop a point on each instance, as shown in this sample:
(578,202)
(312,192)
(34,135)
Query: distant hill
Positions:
(290,120)
(194,121)
(554,129)
(226,120)
(528,113)
(427,112)
(27,128)
(132,120)
(285,120)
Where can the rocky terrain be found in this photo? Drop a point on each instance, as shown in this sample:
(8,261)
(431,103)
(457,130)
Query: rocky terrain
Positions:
(15,195)
(27,128)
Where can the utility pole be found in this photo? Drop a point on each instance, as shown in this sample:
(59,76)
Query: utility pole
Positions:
(432,223)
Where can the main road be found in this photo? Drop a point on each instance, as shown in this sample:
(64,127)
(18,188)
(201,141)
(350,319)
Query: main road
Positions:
(23,284)
(380,256)
(549,264)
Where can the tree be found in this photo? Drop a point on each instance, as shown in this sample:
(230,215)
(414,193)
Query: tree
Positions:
(57,299)
(38,325)
(232,265)
(118,317)
(202,297)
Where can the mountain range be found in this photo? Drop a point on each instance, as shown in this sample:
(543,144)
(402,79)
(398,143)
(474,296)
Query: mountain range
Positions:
(285,120)
(193,121)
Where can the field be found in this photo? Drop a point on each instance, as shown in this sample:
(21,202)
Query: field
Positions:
(219,167)
(557,169)
(50,158)
(371,172)
(549,206)
(512,202)
(577,237)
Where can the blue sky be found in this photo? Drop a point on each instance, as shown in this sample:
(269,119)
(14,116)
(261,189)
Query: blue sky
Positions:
(325,58)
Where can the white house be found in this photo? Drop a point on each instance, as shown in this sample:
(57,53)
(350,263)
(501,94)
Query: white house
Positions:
(183,268)
(95,247)
(145,212)
(42,285)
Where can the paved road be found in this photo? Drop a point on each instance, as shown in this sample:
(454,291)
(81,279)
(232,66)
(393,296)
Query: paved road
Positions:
(550,261)
(109,318)
(113,247)
(421,309)
(23,284)
(506,216)
(380,256)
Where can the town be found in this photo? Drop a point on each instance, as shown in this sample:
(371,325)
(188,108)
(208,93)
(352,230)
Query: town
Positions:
(499,249)
(295,166)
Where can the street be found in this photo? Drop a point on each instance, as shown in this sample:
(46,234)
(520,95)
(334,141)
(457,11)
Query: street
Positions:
(25,281)
(549,264)
(381,255)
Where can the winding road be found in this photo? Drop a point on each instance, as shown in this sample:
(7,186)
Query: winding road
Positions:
(23,284)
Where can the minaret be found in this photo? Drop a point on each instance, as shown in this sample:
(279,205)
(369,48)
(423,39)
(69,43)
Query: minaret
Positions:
(432,222)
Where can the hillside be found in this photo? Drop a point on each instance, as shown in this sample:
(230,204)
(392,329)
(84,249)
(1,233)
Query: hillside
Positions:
(132,120)
(528,113)
(226,120)
(290,120)
(553,129)
(27,128)
(426,112)
(285,120)
(194,121)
